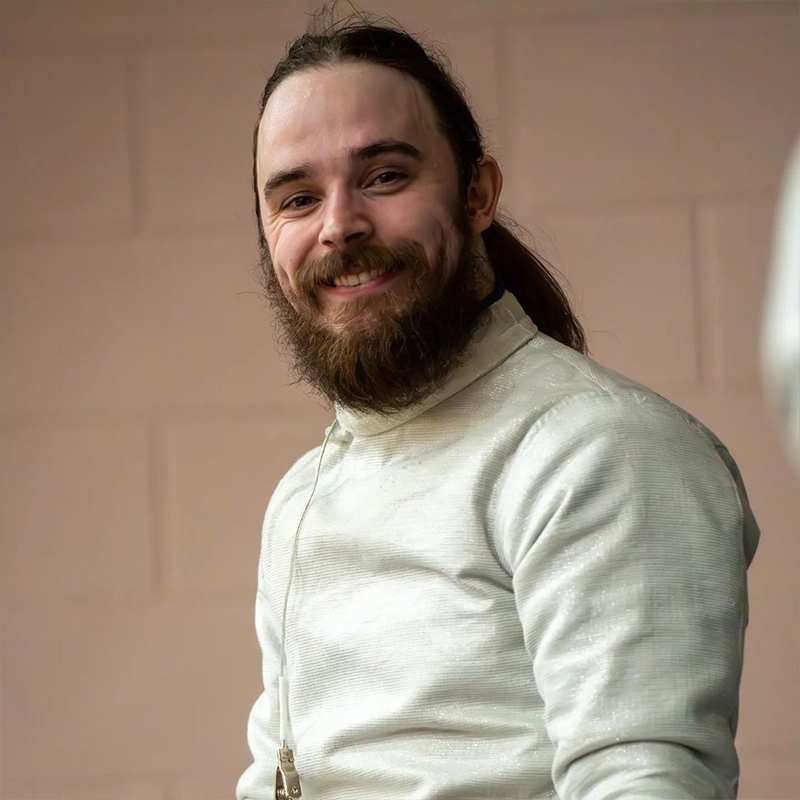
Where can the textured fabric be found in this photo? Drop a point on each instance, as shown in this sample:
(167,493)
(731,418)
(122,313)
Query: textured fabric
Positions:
(531,585)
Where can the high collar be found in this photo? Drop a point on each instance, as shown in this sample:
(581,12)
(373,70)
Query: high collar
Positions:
(505,329)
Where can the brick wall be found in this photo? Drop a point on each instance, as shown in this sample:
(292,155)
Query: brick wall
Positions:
(146,415)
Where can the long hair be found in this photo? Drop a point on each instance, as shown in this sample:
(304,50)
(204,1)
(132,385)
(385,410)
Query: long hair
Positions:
(359,37)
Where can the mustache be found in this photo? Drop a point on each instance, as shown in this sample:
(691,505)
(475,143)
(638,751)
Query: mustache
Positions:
(363,257)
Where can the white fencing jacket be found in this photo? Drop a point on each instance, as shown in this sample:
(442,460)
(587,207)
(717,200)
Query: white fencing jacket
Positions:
(530,585)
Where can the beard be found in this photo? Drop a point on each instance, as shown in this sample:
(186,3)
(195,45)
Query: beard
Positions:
(387,351)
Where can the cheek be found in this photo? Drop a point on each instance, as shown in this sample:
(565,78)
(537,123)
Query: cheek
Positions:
(419,217)
(429,222)
(289,249)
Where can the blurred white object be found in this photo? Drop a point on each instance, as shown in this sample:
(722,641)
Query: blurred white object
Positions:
(780,338)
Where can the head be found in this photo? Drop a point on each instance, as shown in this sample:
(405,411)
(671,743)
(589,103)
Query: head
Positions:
(375,203)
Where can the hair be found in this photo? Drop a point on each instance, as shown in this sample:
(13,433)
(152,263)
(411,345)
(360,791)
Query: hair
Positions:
(361,37)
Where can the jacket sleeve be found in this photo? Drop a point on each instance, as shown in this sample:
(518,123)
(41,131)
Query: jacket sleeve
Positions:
(258,781)
(625,534)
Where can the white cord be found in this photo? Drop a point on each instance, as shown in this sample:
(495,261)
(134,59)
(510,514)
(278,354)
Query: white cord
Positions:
(283,702)
(283,682)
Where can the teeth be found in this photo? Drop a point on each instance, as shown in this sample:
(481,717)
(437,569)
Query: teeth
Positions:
(357,280)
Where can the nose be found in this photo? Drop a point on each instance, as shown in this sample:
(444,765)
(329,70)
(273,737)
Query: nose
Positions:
(344,222)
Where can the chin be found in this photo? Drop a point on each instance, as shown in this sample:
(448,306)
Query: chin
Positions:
(367,319)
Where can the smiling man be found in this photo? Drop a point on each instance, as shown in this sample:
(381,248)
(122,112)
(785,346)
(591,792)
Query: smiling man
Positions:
(384,254)
(507,571)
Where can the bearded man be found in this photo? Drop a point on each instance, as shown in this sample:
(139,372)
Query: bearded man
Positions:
(507,572)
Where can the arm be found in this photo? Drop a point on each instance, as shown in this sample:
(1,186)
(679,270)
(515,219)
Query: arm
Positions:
(624,532)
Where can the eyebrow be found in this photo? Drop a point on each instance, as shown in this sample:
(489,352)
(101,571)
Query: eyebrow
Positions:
(303,171)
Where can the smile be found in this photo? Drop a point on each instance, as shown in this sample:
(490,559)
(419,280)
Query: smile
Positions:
(360,278)
(362,283)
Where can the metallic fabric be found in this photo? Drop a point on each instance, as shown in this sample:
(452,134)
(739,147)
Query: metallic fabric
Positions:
(531,585)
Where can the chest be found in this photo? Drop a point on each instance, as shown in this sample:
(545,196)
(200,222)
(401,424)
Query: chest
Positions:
(406,539)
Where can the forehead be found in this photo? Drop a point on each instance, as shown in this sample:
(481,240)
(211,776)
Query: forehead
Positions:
(330,110)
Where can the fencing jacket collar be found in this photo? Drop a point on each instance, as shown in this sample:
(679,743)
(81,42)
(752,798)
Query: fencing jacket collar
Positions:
(504,329)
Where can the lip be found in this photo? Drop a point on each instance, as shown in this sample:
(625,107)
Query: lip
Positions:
(375,285)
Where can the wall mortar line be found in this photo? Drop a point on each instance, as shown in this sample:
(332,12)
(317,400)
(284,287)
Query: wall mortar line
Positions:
(157,485)
(135,142)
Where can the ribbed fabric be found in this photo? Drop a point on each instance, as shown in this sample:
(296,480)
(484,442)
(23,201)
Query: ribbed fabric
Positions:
(530,585)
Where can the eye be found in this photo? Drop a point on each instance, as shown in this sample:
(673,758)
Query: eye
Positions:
(298,202)
(388,177)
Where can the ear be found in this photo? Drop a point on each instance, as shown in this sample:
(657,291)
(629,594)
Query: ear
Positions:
(483,193)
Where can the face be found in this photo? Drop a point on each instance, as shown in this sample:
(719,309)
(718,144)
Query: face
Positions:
(367,239)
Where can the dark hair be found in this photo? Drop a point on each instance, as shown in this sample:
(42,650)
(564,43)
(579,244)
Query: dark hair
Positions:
(360,38)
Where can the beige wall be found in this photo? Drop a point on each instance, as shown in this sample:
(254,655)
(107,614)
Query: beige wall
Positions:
(146,416)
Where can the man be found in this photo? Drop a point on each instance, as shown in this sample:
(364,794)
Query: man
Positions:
(508,572)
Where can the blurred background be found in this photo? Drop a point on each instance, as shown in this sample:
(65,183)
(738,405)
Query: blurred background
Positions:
(146,415)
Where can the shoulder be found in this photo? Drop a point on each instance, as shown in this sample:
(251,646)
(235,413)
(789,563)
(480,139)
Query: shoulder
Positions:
(290,492)
(622,416)
(297,481)
(299,476)
(625,468)
(565,420)
(557,392)
(622,431)
(583,427)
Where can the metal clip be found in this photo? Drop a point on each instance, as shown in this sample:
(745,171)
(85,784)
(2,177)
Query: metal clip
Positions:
(287,781)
